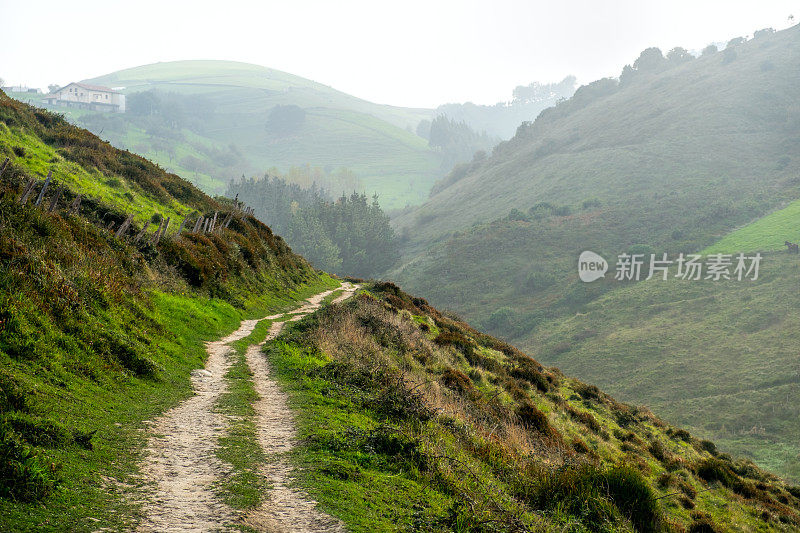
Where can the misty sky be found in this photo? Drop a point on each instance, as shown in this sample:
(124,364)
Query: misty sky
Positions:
(410,53)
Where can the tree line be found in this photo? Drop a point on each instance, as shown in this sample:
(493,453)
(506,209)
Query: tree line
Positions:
(349,235)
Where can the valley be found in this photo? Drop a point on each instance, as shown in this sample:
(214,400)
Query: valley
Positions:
(236,299)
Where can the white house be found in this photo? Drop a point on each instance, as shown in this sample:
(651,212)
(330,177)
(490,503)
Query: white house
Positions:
(86,96)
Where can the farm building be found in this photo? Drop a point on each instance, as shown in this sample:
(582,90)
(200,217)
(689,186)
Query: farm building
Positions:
(86,96)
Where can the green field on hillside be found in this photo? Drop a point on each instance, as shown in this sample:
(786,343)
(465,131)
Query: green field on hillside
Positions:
(767,233)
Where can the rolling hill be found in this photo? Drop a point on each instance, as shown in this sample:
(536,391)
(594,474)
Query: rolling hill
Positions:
(214,127)
(695,156)
(651,162)
(407,416)
(656,139)
(339,130)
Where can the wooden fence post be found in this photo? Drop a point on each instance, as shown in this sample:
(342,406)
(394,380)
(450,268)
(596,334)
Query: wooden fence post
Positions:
(162,231)
(183,223)
(205,225)
(213,222)
(54,201)
(3,167)
(27,192)
(44,188)
(142,232)
(155,235)
(224,223)
(75,205)
(124,227)
(197,224)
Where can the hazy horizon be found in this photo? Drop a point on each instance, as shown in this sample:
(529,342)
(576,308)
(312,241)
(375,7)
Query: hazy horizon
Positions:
(420,55)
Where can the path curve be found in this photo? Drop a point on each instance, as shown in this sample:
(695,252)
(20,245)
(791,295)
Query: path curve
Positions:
(286,509)
(180,464)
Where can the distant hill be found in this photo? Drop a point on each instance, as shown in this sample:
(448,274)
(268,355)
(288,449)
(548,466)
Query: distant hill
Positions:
(234,102)
(680,155)
(211,121)
(503,118)
(274,87)
(653,160)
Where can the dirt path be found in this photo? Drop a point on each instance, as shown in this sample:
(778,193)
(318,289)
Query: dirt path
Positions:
(180,461)
(286,509)
(181,467)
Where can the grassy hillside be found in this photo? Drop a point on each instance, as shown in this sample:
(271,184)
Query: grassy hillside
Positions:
(659,132)
(719,358)
(339,130)
(212,76)
(673,158)
(698,156)
(412,420)
(97,333)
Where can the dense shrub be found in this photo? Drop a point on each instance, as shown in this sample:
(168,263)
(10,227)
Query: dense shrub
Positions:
(532,372)
(540,279)
(38,431)
(630,492)
(599,496)
(531,417)
(129,354)
(581,447)
(453,338)
(714,469)
(591,202)
(703,523)
(456,380)
(708,446)
(517,215)
(729,55)
(13,394)
(588,392)
(680,434)
(658,451)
